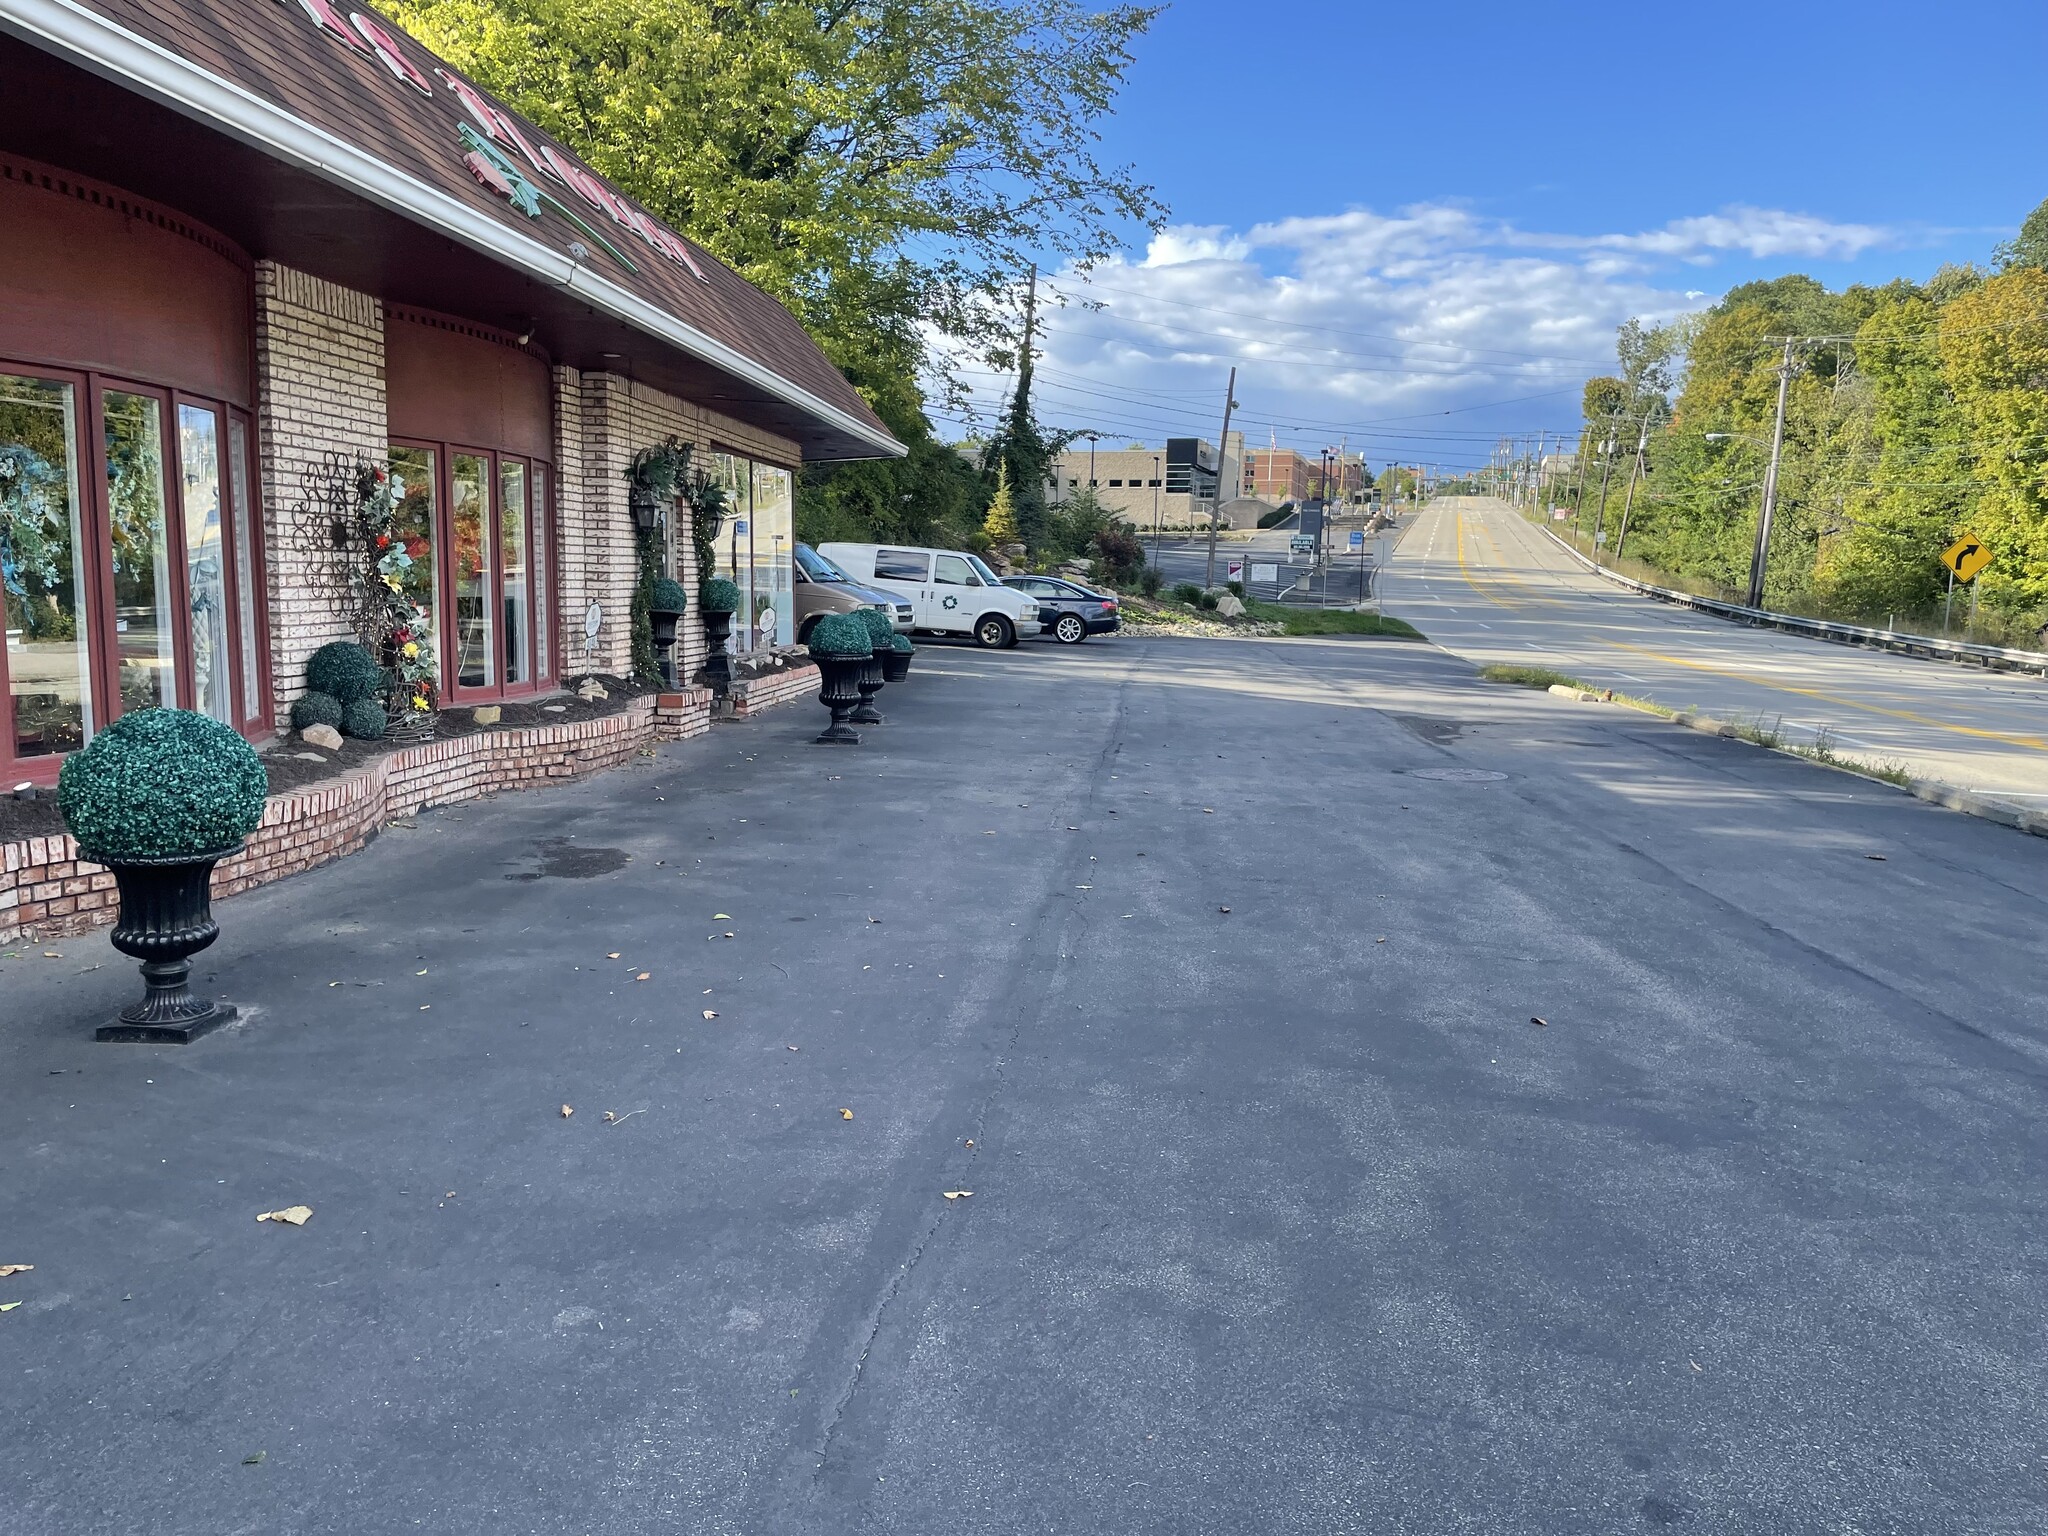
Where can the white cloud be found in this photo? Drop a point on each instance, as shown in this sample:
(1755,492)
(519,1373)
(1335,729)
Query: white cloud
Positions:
(1421,333)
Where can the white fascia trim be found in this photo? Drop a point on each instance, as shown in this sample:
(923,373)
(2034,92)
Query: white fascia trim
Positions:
(86,38)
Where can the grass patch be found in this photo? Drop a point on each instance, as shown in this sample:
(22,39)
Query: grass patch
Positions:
(1529,677)
(1329,621)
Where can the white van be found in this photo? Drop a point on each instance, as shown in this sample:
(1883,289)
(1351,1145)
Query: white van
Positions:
(951,592)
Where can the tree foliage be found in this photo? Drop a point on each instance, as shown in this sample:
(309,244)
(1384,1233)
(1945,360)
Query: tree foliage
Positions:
(1915,411)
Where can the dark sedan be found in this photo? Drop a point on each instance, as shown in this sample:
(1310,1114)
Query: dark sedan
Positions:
(1069,613)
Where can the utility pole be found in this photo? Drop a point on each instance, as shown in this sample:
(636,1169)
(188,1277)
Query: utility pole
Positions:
(1634,474)
(1600,516)
(1229,405)
(1761,557)
(1579,489)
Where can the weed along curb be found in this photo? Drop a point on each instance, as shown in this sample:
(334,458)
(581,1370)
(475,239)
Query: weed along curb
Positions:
(1947,796)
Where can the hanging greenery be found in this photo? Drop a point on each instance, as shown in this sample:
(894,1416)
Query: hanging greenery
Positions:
(709,505)
(655,478)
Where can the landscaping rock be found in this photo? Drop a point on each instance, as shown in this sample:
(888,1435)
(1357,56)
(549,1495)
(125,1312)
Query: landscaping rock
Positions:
(321,736)
(1230,606)
(488,714)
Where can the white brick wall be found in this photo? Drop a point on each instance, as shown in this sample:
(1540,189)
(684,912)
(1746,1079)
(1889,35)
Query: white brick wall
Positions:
(620,417)
(319,387)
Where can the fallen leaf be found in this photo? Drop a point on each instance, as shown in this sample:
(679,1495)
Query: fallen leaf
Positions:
(294,1215)
(728,935)
(643,975)
(1223,909)
(613,955)
(1084,887)
(1379,941)
(1696,1365)
(419,973)
(1877,856)
(721,917)
(51,954)
(795,1047)
(8,1306)
(1534,1020)
(1073,829)
(970,1143)
(874,919)
(846,1114)
(612,1119)
(14,1269)
(957,1194)
(1207,812)
(710,1013)
(257,1460)
(567,1111)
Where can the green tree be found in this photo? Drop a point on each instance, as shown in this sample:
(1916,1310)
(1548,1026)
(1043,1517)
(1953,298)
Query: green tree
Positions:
(1994,359)
(1001,522)
(2029,248)
(878,165)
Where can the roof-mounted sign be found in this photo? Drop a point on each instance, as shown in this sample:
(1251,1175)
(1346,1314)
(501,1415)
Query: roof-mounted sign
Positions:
(495,132)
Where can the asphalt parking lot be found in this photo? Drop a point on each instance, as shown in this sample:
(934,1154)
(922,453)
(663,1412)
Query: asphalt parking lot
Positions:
(1374,1101)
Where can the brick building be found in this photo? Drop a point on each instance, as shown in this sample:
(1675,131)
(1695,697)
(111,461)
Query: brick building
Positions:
(240,236)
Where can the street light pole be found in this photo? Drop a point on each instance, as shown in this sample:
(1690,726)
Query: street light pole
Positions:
(1761,557)
(1155,511)
(1222,447)
(1092,437)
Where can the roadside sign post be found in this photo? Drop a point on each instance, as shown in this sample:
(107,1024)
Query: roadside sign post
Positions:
(1358,543)
(1966,560)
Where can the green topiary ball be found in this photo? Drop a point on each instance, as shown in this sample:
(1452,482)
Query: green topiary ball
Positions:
(901,645)
(721,596)
(880,630)
(162,784)
(365,720)
(317,709)
(347,671)
(669,597)
(840,634)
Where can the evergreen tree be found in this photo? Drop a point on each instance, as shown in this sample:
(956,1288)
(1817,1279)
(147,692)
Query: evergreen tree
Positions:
(1001,523)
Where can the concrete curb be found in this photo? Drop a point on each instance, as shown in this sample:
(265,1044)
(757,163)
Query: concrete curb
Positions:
(1947,796)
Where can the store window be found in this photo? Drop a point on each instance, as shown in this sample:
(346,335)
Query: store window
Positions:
(131,558)
(755,548)
(471,417)
(137,587)
(475,523)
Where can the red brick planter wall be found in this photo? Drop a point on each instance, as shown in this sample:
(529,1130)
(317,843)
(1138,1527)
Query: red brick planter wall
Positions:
(47,891)
(751,696)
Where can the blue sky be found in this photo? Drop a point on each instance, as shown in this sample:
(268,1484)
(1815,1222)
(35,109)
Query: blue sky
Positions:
(1451,206)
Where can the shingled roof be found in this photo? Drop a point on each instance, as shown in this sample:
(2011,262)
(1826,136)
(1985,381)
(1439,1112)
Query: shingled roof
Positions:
(347,96)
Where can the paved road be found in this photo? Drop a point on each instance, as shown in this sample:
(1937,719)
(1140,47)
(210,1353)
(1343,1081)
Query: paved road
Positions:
(1275,1228)
(1481,581)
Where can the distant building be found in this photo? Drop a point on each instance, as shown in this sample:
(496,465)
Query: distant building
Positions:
(1175,485)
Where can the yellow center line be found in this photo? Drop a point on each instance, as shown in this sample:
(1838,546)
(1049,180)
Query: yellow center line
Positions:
(1504,574)
(2032,743)
(1466,571)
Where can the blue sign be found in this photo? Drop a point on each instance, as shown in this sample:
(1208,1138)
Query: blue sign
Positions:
(740,527)
(1358,538)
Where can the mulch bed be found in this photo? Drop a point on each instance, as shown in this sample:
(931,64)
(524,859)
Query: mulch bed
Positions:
(292,764)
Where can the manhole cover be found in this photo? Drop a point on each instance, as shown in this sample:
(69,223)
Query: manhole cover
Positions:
(1456,775)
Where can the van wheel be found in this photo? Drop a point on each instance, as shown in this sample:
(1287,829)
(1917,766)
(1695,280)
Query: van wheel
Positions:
(994,633)
(1070,630)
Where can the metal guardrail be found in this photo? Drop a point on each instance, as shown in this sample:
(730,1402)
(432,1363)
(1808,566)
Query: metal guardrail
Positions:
(1997,657)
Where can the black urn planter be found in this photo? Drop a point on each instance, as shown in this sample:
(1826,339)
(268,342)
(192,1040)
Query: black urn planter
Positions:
(870,684)
(166,919)
(718,666)
(895,665)
(839,691)
(664,627)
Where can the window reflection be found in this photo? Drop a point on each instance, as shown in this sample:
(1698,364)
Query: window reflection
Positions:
(512,563)
(412,523)
(253,703)
(206,582)
(469,506)
(143,628)
(42,581)
(544,662)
